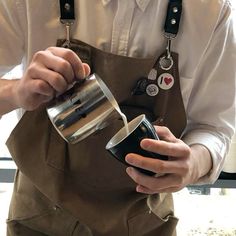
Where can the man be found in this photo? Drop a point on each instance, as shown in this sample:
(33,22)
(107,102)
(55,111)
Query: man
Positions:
(63,189)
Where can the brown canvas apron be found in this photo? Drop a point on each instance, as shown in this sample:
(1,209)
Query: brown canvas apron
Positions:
(63,189)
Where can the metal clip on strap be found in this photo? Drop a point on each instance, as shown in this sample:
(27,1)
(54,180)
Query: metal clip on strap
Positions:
(67,18)
(171,28)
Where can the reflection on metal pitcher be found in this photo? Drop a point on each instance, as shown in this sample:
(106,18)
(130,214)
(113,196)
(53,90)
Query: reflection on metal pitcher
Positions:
(85,108)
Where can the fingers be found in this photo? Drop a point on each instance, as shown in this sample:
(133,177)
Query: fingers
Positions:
(173,173)
(58,66)
(158,166)
(40,87)
(168,144)
(143,189)
(165,134)
(87,69)
(80,70)
(46,81)
(32,93)
(50,72)
(150,185)
(176,149)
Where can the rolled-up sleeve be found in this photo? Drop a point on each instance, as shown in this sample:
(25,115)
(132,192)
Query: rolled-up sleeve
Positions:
(211,105)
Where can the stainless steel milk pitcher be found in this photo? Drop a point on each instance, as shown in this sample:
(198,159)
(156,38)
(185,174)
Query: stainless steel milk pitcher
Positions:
(85,108)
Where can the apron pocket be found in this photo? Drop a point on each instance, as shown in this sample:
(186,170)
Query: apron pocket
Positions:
(32,209)
(149,224)
(52,222)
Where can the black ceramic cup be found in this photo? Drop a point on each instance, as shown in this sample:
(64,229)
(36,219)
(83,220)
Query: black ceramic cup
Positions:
(123,143)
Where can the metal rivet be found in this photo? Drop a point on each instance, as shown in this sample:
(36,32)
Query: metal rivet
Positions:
(67,7)
(175,9)
(55,208)
(161,120)
(173,21)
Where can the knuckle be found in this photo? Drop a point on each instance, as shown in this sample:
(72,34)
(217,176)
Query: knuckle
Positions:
(50,49)
(185,169)
(136,178)
(141,162)
(161,167)
(59,84)
(69,53)
(171,149)
(31,69)
(167,132)
(42,86)
(186,151)
(166,129)
(64,65)
(38,55)
(54,77)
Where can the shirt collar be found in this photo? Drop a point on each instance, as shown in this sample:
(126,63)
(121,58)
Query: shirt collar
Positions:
(142,4)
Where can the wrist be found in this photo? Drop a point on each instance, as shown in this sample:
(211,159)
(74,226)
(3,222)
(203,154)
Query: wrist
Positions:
(202,161)
(8,95)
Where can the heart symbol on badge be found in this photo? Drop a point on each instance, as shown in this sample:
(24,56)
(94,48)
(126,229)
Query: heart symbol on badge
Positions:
(167,80)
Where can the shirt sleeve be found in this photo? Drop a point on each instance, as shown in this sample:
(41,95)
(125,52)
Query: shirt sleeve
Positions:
(211,105)
(11,35)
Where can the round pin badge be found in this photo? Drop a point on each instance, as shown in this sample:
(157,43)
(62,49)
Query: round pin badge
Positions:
(152,74)
(152,90)
(165,81)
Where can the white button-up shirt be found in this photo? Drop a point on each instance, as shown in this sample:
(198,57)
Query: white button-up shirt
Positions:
(205,43)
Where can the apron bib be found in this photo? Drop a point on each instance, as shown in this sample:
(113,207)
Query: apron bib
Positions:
(84,179)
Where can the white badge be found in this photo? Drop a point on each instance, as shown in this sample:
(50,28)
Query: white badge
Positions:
(152,74)
(165,81)
(152,90)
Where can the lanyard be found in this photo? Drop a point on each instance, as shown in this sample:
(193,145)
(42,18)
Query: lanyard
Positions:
(171,26)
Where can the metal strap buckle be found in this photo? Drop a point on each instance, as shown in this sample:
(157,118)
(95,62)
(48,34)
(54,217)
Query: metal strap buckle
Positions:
(67,42)
(166,62)
(67,18)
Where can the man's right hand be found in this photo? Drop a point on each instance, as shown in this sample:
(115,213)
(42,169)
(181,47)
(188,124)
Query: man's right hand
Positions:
(49,73)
